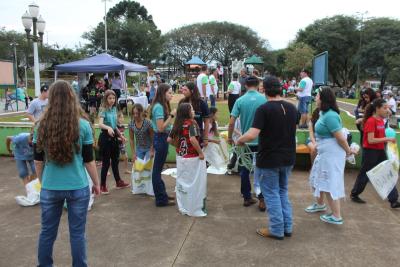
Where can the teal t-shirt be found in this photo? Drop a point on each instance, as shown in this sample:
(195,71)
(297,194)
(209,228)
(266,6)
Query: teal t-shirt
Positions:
(71,176)
(245,107)
(158,113)
(110,117)
(328,123)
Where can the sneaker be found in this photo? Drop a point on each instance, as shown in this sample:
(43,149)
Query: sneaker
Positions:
(315,208)
(168,203)
(104,190)
(228,172)
(121,184)
(395,205)
(249,202)
(329,218)
(358,200)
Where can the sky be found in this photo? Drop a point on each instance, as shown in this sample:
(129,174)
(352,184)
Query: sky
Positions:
(276,21)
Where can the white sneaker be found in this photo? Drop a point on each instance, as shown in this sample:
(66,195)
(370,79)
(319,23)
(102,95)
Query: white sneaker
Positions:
(315,208)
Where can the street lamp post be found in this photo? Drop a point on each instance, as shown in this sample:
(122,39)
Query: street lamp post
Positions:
(29,19)
(358,87)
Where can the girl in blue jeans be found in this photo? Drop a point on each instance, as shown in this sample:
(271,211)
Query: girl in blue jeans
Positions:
(140,134)
(63,141)
(161,119)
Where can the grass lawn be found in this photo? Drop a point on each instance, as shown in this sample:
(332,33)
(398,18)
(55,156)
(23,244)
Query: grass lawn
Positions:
(223,117)
(347,100)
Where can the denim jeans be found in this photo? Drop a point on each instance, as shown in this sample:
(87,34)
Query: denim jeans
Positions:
(274,186)
(245,186)
(212,100)
(22,166)
(141,152)
(161,151)
(52,202)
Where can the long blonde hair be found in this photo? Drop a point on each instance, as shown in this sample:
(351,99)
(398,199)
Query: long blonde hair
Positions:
(58,131)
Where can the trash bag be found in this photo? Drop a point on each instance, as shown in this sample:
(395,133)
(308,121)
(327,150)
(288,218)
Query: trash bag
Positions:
(141,176)
(217,156)
(32,194)
(191,186)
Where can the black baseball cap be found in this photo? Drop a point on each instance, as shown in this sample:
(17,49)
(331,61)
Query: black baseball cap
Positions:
(44,88)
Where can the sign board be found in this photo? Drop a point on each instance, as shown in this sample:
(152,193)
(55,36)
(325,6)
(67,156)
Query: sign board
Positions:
(320,69)
(7,73)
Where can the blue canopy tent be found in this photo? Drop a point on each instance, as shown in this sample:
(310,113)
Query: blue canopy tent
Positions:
(102,63)
(195,61)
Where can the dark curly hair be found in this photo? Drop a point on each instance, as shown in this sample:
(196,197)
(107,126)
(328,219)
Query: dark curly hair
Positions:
(58,130)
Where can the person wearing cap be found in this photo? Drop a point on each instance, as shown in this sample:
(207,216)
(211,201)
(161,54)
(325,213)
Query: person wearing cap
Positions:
(38,105)
(245,108)
(275,124)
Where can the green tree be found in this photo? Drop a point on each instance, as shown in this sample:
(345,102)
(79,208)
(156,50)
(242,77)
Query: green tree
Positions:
(220,41)
(339,35)
(131,34)
(297,57)
(381,49)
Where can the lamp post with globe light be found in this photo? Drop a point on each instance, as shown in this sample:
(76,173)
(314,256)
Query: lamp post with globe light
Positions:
(33,19)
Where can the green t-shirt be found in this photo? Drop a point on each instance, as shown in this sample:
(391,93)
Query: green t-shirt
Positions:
(245,107)
(110,117)
(158,113)
(71,176)
(328,123)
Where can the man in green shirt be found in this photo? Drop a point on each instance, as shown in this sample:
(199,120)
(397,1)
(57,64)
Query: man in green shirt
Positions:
(213,86)
(245,108)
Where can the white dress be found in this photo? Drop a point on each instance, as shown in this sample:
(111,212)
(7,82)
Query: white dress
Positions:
(327,173)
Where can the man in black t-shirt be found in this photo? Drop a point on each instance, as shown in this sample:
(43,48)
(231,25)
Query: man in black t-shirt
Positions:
(275,124)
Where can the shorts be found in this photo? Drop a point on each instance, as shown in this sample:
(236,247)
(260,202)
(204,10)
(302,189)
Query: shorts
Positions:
(303,104)
(23,168)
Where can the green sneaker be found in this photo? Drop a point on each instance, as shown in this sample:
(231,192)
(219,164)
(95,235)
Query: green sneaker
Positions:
(315,208)
(329,218)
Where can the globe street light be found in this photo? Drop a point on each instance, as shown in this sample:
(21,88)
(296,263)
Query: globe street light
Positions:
(33,19)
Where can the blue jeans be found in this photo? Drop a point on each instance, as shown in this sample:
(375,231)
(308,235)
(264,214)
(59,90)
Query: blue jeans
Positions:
(51,202)
(23,168)
(245,186)
(161,151)
(274,186)
(212,100)
(141,152)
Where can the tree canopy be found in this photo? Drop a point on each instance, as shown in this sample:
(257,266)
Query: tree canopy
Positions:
(339,35)
(220,41)
(131,34)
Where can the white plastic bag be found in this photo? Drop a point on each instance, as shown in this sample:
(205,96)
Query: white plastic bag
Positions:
(384,177)
(217,156)
(191,186)
(32,194)
(141,176)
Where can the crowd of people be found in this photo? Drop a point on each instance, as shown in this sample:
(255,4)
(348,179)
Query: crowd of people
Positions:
(60,148)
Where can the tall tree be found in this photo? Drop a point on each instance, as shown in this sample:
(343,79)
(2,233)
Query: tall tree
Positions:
(297,57)
(131,33)
(220,41)
(339,35)
(381,48)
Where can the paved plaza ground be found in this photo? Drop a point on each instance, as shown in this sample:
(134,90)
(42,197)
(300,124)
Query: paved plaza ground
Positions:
(128,230)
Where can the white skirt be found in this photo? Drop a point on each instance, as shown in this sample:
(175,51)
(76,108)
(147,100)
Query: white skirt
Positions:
(327,173)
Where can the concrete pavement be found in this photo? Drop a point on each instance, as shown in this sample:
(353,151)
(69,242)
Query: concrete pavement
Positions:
(128,230)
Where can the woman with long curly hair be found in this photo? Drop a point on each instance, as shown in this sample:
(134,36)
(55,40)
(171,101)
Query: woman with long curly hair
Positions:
(108,141)
(201,110)
(63,142)
(161,120)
